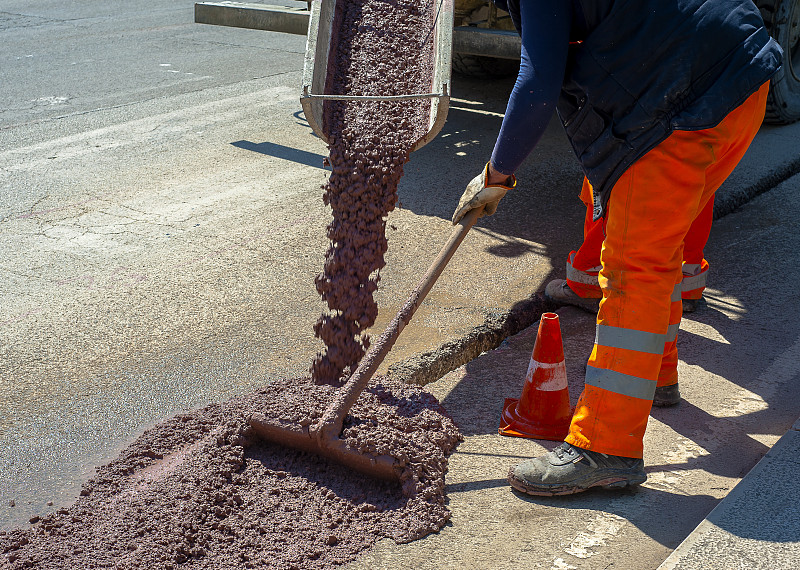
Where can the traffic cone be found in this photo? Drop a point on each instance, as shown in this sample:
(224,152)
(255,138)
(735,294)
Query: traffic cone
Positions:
(543,410)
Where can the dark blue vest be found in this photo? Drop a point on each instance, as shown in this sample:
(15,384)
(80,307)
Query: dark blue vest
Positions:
(645,69)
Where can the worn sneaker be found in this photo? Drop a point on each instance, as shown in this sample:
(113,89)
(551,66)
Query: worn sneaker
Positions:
(667,396)
(559,291)
(568,469)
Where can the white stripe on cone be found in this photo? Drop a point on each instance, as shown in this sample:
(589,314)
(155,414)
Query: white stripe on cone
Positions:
(554,372)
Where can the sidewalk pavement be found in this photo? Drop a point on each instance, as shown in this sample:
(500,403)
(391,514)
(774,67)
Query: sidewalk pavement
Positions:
(757,525)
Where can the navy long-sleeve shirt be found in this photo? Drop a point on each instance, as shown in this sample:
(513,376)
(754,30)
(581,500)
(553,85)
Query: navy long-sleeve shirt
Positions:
(545,28)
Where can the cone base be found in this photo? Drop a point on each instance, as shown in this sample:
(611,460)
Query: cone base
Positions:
(514,425)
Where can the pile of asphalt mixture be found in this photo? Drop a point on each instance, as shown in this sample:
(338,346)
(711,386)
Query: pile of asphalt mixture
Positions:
(200,490)
(382,48)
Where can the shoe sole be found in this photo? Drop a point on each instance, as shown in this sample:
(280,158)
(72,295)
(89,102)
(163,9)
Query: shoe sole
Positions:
(610,482)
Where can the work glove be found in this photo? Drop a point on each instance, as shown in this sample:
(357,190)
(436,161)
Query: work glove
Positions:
(478,195)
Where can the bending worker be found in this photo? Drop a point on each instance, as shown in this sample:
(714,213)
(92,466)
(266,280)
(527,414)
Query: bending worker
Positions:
(659,100)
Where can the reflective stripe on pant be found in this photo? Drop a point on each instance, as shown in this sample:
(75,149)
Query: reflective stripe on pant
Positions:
(695,277)
(650,211)
(584,265)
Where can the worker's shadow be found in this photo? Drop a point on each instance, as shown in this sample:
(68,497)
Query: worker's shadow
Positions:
(678,514)
(665,516)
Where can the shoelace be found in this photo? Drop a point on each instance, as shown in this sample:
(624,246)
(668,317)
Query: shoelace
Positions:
(561,451)
(566,449)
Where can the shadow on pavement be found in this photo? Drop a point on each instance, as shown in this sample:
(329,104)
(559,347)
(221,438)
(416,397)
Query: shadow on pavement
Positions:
(284,152)
(655,512)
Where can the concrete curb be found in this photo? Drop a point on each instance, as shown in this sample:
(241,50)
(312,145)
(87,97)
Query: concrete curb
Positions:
(755,525)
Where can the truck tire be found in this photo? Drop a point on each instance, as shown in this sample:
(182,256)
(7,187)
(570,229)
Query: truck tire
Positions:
(482,66)
(782,18)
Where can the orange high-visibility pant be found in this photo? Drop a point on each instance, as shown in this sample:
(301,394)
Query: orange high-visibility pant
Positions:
(583,265)
(583,269)
(650,211)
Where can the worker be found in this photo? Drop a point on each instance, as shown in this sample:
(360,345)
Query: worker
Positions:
(659,100)
(581,287)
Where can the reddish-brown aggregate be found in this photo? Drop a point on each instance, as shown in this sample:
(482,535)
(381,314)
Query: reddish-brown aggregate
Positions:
(199,491)
(382,47)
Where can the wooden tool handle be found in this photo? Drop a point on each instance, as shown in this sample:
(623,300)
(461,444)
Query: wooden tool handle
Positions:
(333,418)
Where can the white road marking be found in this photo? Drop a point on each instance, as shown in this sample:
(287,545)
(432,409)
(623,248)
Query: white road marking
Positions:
(188,120)
(603,528)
